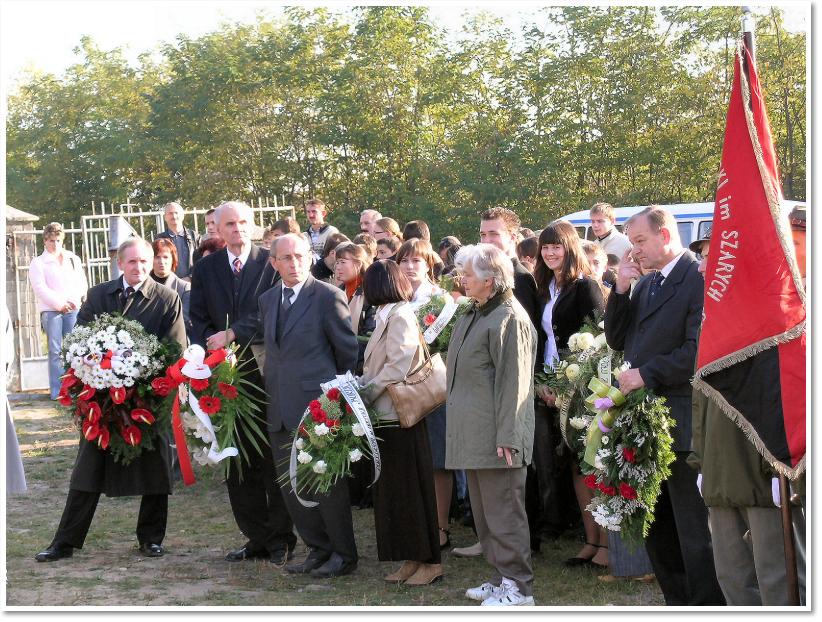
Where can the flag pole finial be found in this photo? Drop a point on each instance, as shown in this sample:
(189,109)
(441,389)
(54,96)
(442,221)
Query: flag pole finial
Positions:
(748,29)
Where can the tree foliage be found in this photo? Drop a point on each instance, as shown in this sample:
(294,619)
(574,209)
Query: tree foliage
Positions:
(379,108)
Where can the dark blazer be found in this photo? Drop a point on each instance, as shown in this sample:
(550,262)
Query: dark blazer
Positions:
(316,344)
(193,242)
(213,304)
(576,303)
(659,337)
(525,291)
(183,289)
(160,312)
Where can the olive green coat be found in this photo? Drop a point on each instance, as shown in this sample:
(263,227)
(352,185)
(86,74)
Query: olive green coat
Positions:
(491,386)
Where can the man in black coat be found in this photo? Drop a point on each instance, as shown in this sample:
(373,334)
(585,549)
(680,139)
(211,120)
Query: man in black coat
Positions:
(223,310)
(657,325)
(308,340)
(186,241)
(160,312)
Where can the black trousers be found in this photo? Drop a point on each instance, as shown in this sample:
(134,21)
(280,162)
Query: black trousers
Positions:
(327,527)
(80,507)
(257,503)
(679,542)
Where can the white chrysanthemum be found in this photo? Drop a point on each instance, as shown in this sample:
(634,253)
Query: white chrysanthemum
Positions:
(357,430)
(354,455)
(605,439)
(577,423)
(600,341)
(304,457)
(573,342)
(585,341)
(299,443)
(128,381)
(572,372)
(321,429)
(598,463)
(320,467)
(116,382)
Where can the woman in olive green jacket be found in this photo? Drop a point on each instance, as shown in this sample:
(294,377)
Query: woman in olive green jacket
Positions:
(490,419)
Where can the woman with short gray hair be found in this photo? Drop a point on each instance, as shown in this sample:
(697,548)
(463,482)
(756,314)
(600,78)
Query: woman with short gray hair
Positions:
(490,426)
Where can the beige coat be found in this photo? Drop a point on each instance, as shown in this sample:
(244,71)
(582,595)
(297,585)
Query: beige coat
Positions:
(491,386)
(391,351)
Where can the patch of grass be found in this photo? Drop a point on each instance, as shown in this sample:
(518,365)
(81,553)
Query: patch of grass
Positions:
(110,571)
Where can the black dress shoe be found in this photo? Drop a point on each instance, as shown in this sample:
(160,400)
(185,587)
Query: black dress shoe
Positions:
(245,553)
(336,566)
(54,552)
(152,550)
(280,557)
(314,560)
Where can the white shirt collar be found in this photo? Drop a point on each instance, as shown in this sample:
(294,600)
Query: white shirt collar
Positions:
(384,310)
(243,257)
(296,289)
(670,265)
(136,287)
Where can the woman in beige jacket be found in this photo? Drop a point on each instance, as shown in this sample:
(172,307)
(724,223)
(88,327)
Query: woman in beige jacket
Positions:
(405,508)
(490,427)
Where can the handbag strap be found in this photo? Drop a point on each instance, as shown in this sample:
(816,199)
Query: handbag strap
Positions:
(426,358)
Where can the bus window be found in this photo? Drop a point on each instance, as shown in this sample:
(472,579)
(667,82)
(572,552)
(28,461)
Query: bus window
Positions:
(591,235)
(704,227)
(620,228)
(580,232)
(685,231)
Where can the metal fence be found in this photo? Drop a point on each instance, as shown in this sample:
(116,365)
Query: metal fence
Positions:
(90,241)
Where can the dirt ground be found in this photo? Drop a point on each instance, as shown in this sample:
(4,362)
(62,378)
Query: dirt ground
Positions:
(110,571)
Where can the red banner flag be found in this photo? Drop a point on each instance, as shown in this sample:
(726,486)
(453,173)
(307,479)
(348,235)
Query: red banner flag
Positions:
(751,358)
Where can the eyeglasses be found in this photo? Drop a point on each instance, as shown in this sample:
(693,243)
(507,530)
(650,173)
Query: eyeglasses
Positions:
(700,256)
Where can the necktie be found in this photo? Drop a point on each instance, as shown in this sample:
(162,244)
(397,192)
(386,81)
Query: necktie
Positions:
(656,283)
(126,295)
(287,294)
(238,266)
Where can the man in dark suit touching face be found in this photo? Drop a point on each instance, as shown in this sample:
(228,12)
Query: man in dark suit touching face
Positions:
(223,310)
(308,340)
(657,325)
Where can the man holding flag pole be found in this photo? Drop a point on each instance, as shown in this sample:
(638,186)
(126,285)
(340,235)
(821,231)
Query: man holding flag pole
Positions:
(751,356)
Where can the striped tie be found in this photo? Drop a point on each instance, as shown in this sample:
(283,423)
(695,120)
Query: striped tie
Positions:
(238,266)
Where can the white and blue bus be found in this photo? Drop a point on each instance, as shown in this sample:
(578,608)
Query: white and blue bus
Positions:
(692,218)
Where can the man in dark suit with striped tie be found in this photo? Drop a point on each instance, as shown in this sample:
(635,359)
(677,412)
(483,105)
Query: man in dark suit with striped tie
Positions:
(160,312)
(657,325)
(223,310)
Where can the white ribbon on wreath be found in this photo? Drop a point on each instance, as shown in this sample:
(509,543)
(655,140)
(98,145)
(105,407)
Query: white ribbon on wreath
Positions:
(447,312)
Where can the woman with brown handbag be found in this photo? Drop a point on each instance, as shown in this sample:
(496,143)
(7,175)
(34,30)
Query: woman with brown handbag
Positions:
(405,510)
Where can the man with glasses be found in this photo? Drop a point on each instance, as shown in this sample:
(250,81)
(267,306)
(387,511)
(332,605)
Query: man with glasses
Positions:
(60,286)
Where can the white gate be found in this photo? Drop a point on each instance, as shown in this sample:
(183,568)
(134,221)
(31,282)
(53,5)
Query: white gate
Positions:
(91,243)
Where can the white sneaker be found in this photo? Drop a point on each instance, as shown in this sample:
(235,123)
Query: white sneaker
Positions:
(481,593)
(508,595)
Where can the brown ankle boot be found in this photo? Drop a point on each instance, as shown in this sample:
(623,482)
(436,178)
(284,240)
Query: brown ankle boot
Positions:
(407,569)
(426,573)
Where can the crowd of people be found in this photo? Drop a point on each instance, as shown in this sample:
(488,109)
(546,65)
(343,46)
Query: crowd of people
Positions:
(313,304)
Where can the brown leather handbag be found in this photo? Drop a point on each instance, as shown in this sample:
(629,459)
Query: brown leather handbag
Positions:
(422,391)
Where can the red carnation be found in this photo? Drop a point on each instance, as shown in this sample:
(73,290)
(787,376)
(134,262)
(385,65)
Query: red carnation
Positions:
(93,412)
(430,319)
(161,386)
(607,490)
(118,394)
(90,430)
(64,398)
(627,491)
(87,393)
(348,409)
(199,384)
(210,405)
(629,454)
(334,394)
(318,415)
(132,435)
(228,390)
(141,415)
(104,438)
(314,405)
(591,481)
